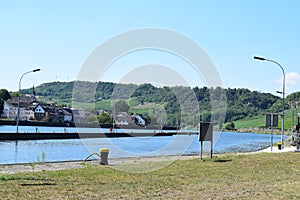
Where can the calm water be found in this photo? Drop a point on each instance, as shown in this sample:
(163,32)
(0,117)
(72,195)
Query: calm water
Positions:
(78,149)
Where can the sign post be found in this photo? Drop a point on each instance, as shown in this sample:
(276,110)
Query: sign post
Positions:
(297,131)
(271,121)
(206,134)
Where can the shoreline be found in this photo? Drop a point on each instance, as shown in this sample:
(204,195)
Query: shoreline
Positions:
(77,164)
(51,136)
(66,165)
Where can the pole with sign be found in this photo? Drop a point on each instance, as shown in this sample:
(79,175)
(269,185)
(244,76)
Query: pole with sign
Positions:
(271,121)
(206,134)
(297,131)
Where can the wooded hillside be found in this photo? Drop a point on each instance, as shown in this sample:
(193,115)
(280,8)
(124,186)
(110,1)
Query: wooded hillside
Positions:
(238,103)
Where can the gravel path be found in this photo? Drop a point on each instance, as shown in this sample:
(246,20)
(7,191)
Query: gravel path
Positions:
(16,168)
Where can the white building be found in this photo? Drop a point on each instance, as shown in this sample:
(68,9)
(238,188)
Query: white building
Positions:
(10,111)
(139,120)
(26,114)
(65,115)
(123,118)
(39,112)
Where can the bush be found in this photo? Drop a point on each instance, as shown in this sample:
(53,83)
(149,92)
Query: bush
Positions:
(230,126)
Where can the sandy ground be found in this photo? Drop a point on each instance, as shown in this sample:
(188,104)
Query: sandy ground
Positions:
(18,168)
(276,150)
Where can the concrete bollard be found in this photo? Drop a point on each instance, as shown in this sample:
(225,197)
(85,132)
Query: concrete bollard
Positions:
(104,156)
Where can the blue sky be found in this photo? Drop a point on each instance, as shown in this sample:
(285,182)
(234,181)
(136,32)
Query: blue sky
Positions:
(58,36)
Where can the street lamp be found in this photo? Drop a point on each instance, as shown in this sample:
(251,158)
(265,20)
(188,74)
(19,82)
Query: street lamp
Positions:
(18,112)
(283,92)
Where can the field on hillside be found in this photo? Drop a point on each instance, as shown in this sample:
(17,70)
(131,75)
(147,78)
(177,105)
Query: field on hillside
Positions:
(260,120)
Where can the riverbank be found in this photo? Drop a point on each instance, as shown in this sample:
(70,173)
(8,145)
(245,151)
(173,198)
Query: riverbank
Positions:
(227,176)
(66,165)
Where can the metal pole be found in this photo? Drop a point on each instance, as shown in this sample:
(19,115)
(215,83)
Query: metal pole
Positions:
(297,131)
(201,150)
(211,149)
(283,93)
(283,104)
(293,105)
(19,92)
(271,132)
(200,129)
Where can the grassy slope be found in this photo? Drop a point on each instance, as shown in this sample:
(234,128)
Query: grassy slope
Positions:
(259,121)
(254,176)
(134,106)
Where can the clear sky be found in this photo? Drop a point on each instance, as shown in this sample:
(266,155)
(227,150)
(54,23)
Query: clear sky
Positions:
(58,36)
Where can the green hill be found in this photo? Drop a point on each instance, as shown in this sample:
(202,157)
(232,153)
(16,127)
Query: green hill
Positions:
(260,120)
(242,106)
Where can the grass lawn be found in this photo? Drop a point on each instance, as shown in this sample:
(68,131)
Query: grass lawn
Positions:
(260,121)
(254,176)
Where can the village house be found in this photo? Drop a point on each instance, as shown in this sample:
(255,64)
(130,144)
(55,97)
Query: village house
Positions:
(123,118)
(30,109)
(65,115)
(80,115)
(138,119)
(26,114)
(39,112)
(10,110)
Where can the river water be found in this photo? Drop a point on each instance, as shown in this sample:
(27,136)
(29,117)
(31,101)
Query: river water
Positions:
(22,151)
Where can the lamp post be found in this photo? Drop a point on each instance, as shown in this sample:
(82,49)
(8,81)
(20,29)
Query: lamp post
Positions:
(283,93)
(18,112)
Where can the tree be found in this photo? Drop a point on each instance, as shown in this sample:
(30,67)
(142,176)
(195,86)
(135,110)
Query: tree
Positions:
(91,118)
(1,106)
(14,94)
(158,115)
(104,118)
(121,106)
(4,94)
(230,126)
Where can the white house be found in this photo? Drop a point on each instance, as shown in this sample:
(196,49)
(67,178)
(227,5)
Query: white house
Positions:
(65,115)
(26,114)
(139,120)
(39,112)
(123,118)
(9,111)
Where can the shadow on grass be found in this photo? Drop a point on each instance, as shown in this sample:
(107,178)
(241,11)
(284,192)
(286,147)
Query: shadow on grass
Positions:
(38,184)
(21,177)
(218,159)
(224,160)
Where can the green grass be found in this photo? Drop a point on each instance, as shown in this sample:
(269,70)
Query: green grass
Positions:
(260,120)
(251,122)
(255,176)
(135,106)
(103,104)
(58,101)
(133,102)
